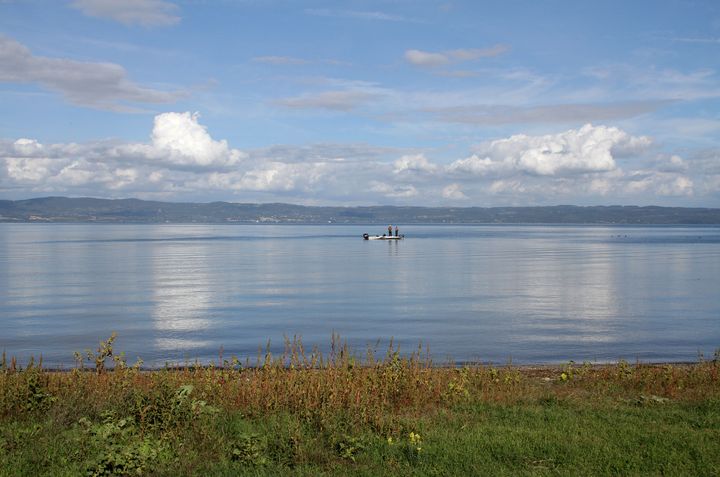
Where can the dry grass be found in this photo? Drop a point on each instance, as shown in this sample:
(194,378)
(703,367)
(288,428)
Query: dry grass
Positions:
(303,413)
(368,389)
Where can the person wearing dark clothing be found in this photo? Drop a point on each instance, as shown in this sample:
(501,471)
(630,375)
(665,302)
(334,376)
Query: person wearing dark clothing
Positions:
(396,231)
(390,230)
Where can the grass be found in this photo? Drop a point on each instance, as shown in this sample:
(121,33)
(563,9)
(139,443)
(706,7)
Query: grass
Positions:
(302,413)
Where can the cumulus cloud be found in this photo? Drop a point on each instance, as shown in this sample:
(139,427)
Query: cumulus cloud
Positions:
(182,161)
(28,170)
(454,192)
(588,149)
(182,157)
(130,12)
(95,85)
(413,163)
(180,139)
(657,183)
(503,186)
(434,59)
(671,163)
(48,175)
(573,165)
(678,186)
(27,147)
(178,142)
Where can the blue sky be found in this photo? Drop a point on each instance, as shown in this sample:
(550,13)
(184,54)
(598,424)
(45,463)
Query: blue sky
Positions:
(365,102)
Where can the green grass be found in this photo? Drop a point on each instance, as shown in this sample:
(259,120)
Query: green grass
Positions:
(341,415)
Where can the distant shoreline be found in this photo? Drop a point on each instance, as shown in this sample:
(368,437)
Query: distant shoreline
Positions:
(135,211)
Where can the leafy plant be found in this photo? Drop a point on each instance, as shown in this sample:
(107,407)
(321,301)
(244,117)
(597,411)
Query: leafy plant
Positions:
(348,447)
(250,449)
(122,450)
(104,351)
(37,395)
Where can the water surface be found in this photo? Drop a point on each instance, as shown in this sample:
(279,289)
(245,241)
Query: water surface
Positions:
(532,294)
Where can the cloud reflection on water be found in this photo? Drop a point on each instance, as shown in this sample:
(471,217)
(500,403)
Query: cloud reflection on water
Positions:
(182,295)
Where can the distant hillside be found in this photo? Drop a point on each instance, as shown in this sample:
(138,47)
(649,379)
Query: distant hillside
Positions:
(63,209)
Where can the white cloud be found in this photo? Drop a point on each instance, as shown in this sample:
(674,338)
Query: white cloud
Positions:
(679,186)
(600,186)
(271,176)
(130,12)
(503,186)
(656,182)
(182,161)
(74,174)
(29,170)
(95,85)
(424,58)
(181,157)
(588,149)
(413,163)
(475,165)
(672,163)
(27,147)
(180,138)
(454,192)
(469,54)
(433,59)
(571,166)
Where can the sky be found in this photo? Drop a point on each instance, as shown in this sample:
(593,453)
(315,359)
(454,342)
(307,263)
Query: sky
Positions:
(374,102)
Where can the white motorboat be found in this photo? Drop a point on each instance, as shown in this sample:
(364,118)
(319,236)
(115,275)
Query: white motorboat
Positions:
(383,237)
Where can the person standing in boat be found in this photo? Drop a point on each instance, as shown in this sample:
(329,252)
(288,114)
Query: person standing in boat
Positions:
(396,231)
(390,230)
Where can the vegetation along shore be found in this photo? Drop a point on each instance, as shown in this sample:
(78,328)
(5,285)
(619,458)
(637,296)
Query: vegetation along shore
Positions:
(305,413)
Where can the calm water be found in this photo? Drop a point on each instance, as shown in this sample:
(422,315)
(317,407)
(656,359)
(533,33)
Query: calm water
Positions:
(533,294)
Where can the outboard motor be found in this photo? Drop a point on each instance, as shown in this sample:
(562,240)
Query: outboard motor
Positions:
(366,236)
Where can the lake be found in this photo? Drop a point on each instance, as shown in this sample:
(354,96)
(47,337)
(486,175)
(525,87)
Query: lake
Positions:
(491,293)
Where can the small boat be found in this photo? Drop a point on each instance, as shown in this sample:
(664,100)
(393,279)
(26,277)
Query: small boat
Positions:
(383,237)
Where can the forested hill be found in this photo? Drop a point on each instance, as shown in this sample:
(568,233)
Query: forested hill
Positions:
(63,209)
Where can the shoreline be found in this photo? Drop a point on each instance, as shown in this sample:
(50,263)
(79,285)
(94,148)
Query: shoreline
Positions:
(528,368)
